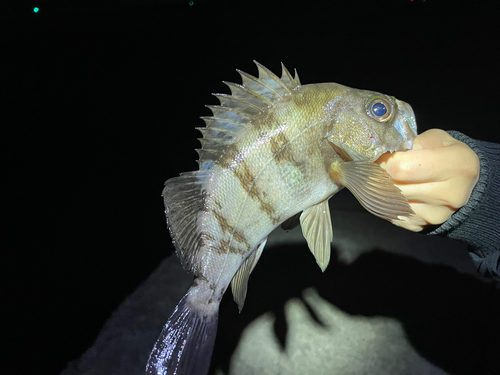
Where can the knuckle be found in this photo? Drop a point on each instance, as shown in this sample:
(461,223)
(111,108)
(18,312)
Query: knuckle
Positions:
(400,171)
(458,201)
(470,166)
(438,215)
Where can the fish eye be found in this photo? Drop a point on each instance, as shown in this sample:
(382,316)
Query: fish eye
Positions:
(379,109)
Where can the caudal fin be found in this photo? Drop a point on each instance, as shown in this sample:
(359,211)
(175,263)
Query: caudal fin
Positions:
(185,344)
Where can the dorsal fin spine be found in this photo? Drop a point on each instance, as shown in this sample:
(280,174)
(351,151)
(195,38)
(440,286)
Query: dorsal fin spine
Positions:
(234,102)
(255,83)
(233,115)
(267,76)
(212,121)
(240,91)
(208,131)
(296,79)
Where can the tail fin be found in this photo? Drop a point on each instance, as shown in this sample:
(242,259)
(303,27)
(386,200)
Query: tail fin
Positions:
(185,344)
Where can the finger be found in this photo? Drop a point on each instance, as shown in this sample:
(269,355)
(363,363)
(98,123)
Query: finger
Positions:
(425,192)
(425,165)
(424,215)
(408,225)
(411,166)
(452,193)
(433,138)
(431,214)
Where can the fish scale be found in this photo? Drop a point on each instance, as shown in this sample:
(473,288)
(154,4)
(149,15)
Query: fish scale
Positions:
(272,150)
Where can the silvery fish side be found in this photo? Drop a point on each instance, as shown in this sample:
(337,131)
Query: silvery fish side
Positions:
(274,150)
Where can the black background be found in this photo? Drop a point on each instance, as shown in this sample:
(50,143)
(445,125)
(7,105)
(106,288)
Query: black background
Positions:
(100,104)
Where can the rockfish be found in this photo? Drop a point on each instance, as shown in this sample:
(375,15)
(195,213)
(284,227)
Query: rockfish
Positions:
(274,150)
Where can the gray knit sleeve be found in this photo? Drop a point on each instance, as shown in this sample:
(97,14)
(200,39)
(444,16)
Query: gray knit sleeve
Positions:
(478,222)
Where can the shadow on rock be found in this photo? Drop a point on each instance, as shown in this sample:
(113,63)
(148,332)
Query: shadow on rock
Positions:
(450,318)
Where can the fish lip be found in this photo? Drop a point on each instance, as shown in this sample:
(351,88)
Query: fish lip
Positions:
(379,151)
(407,129)
(408,145)
(405,146)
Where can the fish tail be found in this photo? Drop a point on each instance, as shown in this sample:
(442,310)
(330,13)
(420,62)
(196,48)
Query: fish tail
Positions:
(186,342)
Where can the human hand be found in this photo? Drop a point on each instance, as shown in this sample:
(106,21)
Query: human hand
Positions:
(436,177)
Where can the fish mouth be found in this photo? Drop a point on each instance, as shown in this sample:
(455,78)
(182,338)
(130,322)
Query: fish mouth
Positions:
(406,126)
(379,151)
(408,145)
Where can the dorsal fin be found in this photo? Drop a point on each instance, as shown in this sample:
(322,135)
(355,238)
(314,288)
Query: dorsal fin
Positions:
(235,111)
(183,195)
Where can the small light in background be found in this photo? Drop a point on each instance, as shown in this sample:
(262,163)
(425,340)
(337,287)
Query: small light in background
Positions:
(36,10)
(191,3)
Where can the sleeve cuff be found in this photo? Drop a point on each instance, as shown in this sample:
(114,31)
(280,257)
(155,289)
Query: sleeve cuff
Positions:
(476,223)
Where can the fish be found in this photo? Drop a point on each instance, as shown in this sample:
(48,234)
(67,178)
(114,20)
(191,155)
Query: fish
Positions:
(272,154)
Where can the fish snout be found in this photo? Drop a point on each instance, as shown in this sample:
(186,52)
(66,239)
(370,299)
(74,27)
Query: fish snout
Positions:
(406,125)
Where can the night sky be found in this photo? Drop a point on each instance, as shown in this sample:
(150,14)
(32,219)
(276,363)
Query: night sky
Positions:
(102,102)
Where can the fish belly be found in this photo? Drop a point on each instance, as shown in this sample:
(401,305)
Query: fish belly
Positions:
(247,202)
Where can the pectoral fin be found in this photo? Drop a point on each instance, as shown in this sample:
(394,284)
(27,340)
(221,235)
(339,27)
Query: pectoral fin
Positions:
(239,284)
(317,229)
(373,188)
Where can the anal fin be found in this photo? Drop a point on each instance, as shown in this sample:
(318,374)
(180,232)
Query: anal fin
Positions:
(317,229)
(239,284)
